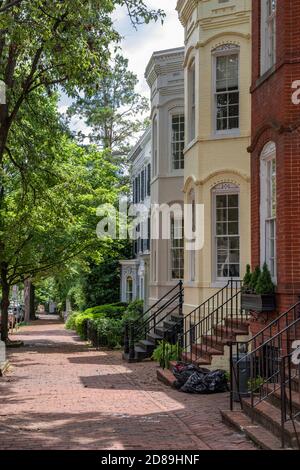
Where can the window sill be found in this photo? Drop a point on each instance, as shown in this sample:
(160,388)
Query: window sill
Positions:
(227,135)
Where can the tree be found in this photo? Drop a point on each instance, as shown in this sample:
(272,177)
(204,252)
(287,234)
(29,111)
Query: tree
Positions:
(49,209)
(113,109)
(45,44)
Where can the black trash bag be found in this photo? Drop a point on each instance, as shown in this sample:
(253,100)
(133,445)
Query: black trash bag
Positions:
(193,379)
(182,373)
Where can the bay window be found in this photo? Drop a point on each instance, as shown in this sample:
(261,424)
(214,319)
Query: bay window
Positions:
(177,141)
(226,231)
(227,95)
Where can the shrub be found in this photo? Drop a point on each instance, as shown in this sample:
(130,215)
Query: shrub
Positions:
(70,323)
(109,331)
(254,278)
(134,310)
(264,283)
(109,310)
(247,279)
(164,353)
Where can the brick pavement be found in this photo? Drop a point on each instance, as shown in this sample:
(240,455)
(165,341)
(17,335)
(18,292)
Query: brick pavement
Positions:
(60,394)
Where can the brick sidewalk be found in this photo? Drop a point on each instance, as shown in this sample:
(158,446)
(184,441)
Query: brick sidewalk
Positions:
(61,395)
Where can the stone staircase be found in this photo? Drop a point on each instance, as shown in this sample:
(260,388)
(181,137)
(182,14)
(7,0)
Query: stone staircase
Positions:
(269,413)
(168,329)
(262,424)
(213,352)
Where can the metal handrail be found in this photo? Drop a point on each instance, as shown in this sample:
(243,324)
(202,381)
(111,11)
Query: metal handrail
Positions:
(144,314)
(286,378)
(264,361)
(209,305)
(133,330)
(266,328)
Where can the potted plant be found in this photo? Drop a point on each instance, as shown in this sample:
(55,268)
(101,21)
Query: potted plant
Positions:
(258,290)
(255,384)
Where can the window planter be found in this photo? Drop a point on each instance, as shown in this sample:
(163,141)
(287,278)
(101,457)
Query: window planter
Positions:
(259,303)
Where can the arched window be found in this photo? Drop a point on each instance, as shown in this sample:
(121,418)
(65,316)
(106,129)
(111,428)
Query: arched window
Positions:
(129,289)
(268,205)
(226,231)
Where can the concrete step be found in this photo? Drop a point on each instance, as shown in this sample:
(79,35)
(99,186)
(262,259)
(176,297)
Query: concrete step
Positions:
(228,332)
(269,416)
(216,342)
(165,376)
(206,352)
(237,323)
(148,345)
(191,358)
(257,433)
(275,397)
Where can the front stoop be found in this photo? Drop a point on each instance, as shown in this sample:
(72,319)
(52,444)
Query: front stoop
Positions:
(264,439)
(3,367)
(165,376)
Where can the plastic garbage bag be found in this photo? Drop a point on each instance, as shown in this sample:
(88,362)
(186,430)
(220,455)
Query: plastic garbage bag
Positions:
(193,379)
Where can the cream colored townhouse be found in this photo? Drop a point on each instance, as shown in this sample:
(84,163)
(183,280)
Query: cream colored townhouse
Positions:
(217,71)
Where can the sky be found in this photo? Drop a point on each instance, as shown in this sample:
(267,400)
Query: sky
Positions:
(139,45)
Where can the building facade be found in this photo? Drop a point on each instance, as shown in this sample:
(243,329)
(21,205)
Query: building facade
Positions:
(165,78)
(275,146)
(135,272)
(217,72)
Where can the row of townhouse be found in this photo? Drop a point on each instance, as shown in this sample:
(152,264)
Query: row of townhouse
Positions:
(200,114)
(225,135)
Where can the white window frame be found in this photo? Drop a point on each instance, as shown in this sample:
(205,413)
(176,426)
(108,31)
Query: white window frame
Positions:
(267,218)
(175,249)
(191,121)
(229,189)
(178,113)
(155,145)
(192,251)
(129,292)
(222,51)
(268,36)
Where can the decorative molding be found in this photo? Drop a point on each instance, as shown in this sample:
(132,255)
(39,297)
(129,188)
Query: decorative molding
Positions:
(224,176)
(223,34)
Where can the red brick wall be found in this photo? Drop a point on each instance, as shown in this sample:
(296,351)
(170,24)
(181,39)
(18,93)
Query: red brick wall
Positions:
(275,117)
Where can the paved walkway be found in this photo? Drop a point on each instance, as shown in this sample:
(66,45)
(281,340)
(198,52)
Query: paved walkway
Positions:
(59,394)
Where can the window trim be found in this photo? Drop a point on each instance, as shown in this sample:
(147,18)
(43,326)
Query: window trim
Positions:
(178,111)
(266,63)
(129,277)
(216,191)
(219,52)
(190,132)
(180,219)
(267,155)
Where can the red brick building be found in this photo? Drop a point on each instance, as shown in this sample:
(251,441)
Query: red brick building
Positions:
(275,145)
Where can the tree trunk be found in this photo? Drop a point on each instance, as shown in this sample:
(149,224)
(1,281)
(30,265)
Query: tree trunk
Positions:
(29,301)
(4,304)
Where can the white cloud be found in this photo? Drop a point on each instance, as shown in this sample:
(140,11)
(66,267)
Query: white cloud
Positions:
(138,46)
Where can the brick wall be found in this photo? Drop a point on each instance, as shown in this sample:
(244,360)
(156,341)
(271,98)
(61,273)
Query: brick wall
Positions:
(275,117)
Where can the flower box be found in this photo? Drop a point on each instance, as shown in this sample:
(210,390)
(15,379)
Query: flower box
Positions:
(259,303)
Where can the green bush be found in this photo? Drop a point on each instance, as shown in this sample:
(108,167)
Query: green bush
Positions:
(247,279)
(164,353)
(109,331)
(70,323)
(254,278)
(264,283)
(134,311)
(109,310)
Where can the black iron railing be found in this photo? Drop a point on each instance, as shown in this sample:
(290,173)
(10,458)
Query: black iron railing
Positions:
(169,304)
(256,365)
(212,322)
(290,393)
